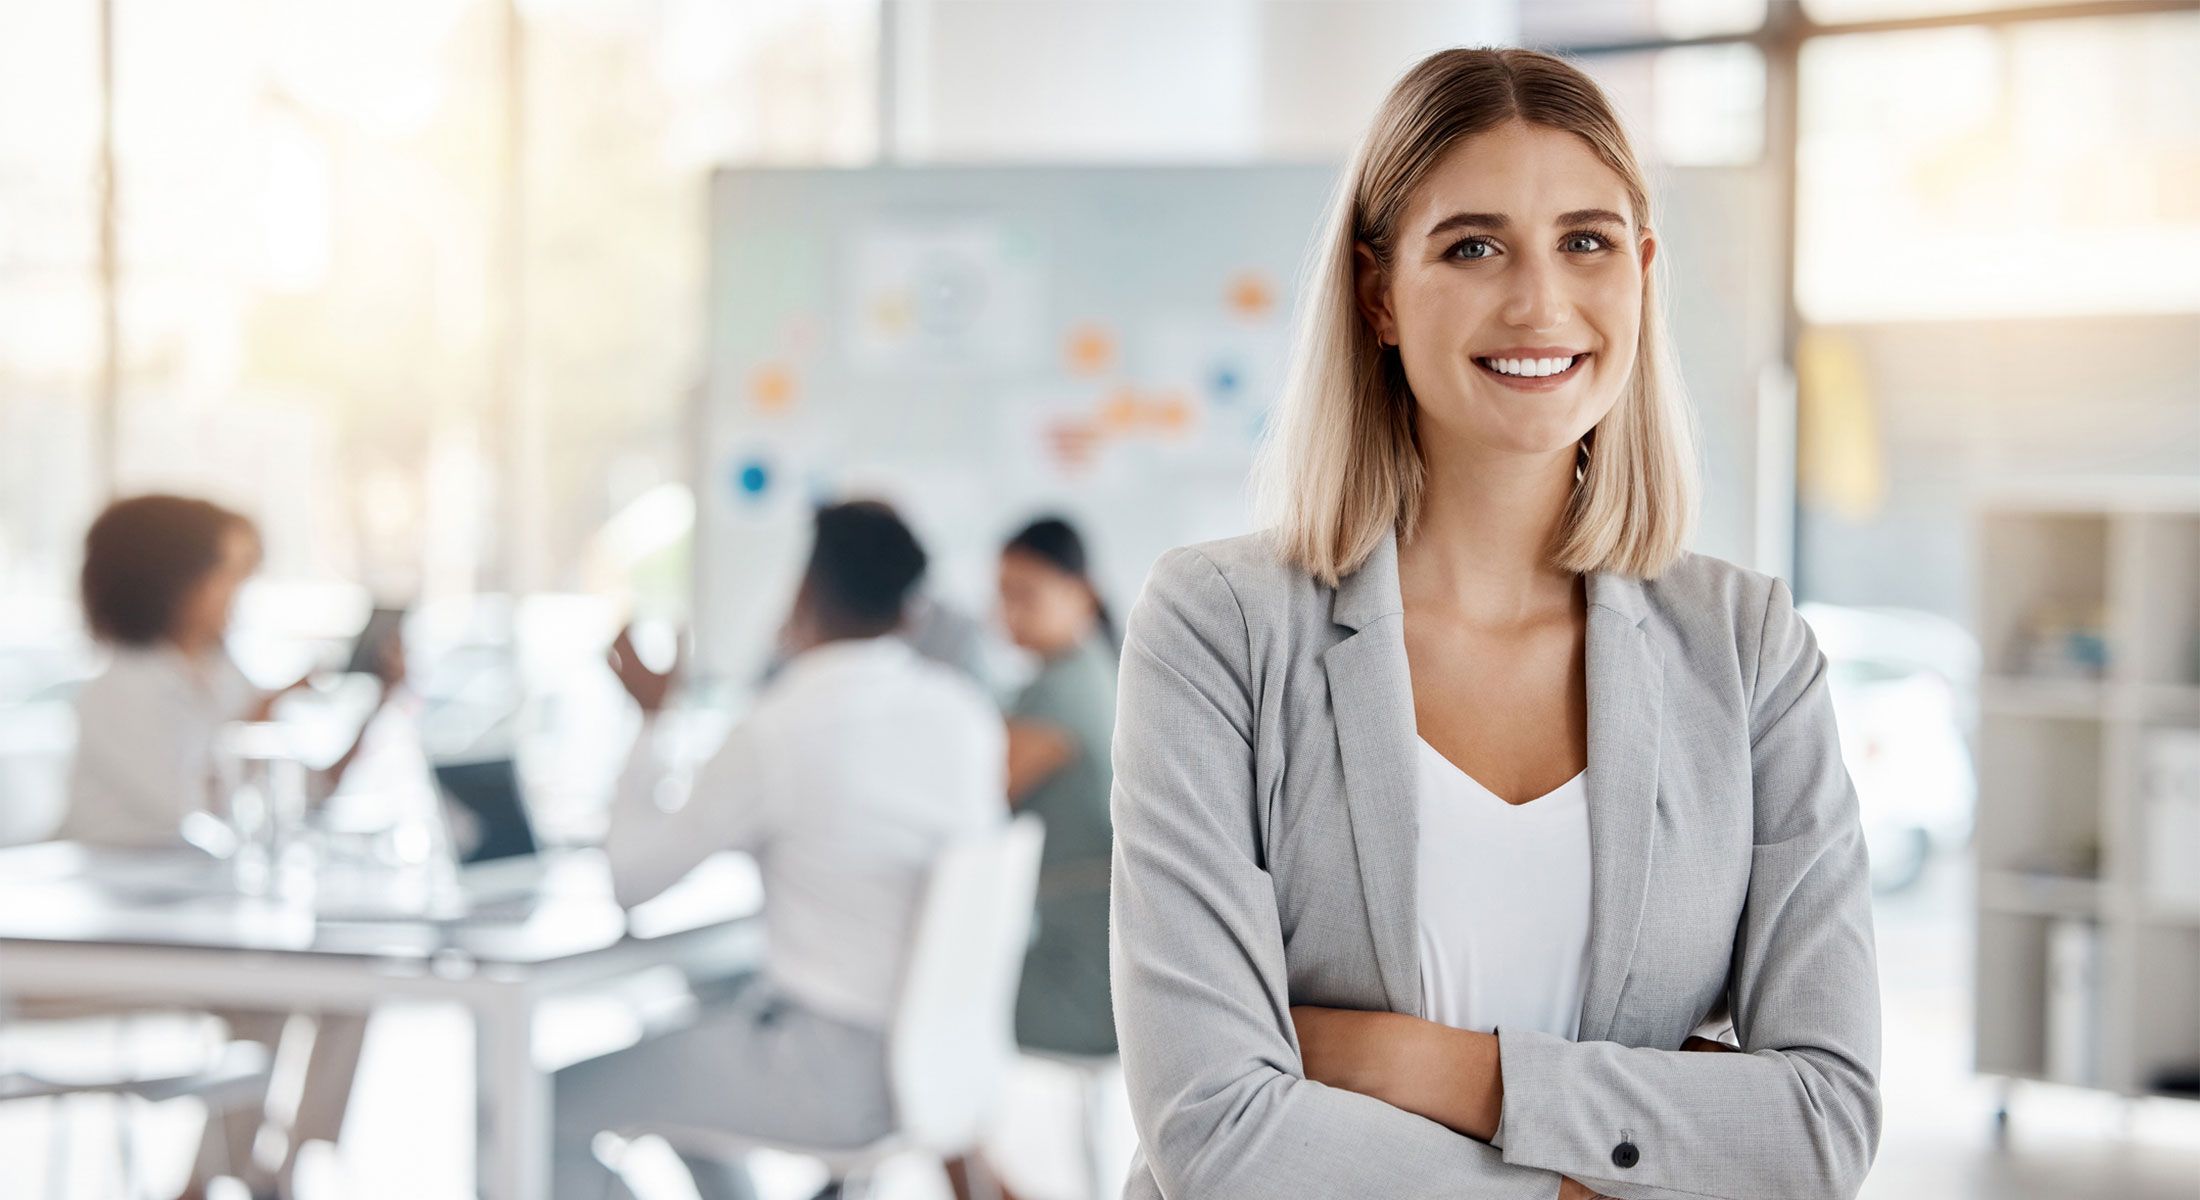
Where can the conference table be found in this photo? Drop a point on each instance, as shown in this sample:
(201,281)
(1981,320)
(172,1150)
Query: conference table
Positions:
(170,928)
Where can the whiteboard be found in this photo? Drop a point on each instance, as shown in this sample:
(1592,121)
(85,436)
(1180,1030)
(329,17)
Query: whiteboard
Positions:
(979,346)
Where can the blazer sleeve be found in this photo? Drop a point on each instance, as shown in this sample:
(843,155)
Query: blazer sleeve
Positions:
(1217,1089)
(1797,1114)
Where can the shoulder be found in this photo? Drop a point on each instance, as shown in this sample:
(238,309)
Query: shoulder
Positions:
(952,696)
(1700,591)
(1236,581)
(1713,610)
(134,678)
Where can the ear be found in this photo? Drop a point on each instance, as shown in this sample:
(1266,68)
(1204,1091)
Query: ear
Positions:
(1371,287)
(1648,244)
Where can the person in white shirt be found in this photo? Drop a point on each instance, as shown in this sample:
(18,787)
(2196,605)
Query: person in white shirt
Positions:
(857,765)
(159,578)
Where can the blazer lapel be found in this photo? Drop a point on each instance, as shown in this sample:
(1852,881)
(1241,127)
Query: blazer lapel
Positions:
(1626,714)
(1371,701)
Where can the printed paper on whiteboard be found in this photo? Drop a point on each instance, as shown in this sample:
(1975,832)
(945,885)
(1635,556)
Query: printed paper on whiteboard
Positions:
(961,296)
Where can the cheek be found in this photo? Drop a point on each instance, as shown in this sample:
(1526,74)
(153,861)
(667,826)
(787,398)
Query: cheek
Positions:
(204,605)
(1061,610)
(1437,306)
(1615,306)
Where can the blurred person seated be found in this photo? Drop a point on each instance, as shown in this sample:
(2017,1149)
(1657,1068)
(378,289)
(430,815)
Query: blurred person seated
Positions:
(160,576)
(857,765)
(936,627)
(1060,727)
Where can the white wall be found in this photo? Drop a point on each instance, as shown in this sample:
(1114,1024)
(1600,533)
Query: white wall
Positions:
(1143,80)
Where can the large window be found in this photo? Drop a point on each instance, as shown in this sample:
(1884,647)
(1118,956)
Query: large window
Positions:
(49,295)
(628,107)
(2038,168)
(1601,22)
(305,194)
(1691,106)
(415,283)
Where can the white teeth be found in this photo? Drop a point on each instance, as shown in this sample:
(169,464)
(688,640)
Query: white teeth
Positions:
(1531,368)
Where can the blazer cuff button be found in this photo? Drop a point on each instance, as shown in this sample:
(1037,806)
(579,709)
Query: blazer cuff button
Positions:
(1625,1155)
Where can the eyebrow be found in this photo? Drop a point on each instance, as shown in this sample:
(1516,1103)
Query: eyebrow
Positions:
(1475,220)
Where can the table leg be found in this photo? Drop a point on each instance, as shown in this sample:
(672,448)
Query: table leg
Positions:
(512,1156)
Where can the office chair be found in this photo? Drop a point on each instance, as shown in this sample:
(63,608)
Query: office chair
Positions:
(952,1037)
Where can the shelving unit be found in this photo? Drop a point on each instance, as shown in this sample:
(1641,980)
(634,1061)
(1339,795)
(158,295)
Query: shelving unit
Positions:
(2064,723)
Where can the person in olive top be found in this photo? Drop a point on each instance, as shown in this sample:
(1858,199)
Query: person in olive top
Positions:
(1059,729)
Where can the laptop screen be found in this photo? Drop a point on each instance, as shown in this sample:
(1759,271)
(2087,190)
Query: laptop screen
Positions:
(490,791)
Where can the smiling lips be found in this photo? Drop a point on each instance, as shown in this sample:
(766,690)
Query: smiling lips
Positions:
(1533,368)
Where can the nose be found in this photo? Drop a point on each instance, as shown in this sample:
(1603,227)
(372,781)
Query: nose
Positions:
(1537,299)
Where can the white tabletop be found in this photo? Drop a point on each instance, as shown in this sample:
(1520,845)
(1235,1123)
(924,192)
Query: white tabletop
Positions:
(63,892)
(168,927)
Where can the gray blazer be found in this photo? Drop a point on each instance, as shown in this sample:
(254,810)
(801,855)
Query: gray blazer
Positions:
(1264,806)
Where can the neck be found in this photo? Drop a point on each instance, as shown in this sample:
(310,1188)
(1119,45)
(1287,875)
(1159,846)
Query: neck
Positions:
(194,644)
(811,638)
(1481,546)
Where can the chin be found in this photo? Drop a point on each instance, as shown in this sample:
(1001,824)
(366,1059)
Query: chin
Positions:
(1533,437)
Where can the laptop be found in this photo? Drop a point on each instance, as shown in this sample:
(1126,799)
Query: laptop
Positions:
(502,861)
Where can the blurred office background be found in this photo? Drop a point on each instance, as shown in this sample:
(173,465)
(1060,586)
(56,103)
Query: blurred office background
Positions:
(539,314)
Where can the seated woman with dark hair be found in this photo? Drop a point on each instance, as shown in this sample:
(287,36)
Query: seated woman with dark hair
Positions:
(1060,726)
(160,576)
(1059,729)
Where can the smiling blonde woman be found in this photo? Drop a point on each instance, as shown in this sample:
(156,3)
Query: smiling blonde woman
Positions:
(1456,806)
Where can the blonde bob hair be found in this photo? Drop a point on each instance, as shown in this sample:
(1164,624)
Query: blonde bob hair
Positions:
(1341,464)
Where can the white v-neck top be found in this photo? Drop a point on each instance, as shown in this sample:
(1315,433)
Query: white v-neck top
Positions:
(1504,902)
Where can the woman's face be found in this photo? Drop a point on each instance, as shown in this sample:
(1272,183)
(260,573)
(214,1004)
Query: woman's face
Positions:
(1518,244)
(1046,609)
(203,619)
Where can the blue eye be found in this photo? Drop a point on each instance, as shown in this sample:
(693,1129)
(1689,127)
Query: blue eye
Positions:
(1602,243)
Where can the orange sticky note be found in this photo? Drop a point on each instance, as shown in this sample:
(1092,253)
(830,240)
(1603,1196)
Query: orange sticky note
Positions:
(1121,411)
(1251,295)
(1173,413)
(772,387)
(1089,350)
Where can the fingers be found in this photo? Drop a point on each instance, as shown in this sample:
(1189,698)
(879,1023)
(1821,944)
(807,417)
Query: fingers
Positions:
(621,656)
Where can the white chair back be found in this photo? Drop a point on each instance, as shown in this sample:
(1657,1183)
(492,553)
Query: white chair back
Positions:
(953,1036)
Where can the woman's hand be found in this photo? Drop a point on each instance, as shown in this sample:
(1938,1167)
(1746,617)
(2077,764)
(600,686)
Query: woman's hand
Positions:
(389,662)
(649,688)
(1449,1076)
(263,709)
